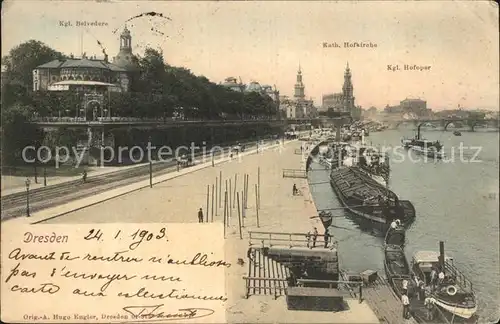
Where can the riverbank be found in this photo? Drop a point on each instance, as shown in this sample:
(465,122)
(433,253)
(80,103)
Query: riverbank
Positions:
(179,198)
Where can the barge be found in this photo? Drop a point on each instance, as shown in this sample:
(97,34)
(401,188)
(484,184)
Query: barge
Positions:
(368,199)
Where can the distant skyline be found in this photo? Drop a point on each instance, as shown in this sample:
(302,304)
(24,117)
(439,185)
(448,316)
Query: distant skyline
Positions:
(266,41)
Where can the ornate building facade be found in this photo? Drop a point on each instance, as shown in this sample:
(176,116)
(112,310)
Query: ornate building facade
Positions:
(253,86)
(90,78)
(299,106)
(341,102)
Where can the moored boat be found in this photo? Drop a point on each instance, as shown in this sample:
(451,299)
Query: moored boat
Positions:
(457,133)
(395,236)
(453,294)
(366,198)
(397,269)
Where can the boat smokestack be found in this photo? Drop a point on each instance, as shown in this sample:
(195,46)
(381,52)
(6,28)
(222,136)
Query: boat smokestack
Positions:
(441,255)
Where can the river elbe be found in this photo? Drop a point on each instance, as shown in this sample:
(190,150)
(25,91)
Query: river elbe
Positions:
(456,201)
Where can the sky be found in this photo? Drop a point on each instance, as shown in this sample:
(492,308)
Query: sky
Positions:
(266,42)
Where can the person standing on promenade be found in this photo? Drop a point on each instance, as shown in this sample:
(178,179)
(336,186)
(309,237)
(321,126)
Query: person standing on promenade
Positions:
(84,176)
(294,189)
(327,237)
(308,237)
(406,305)
(315,236)
(200,215)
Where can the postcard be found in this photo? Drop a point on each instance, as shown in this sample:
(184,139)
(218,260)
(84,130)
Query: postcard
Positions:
(250,162)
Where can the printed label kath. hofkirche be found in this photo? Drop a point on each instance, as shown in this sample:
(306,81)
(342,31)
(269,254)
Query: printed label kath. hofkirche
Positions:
(349,45)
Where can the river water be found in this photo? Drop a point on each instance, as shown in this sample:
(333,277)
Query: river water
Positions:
(456,201)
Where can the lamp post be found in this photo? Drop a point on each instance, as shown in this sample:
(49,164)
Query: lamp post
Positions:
(150,165)
(28,182)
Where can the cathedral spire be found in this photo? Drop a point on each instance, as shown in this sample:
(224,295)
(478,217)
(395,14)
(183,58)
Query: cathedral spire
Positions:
(299,85)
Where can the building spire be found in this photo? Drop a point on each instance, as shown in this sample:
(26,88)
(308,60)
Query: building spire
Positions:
(300,70)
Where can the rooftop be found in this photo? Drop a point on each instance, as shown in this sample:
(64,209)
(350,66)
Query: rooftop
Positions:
(428,256)
(81,63)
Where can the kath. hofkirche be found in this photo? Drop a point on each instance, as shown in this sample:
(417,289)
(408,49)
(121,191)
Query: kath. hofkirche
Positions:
(350,45)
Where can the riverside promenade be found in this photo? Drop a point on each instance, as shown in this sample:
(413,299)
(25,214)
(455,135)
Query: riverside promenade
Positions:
(177,196)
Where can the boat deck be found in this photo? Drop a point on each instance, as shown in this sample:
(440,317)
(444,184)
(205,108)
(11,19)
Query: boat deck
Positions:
(350,182)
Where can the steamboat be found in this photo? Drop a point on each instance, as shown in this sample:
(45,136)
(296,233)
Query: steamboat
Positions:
(453,292)
(423,146)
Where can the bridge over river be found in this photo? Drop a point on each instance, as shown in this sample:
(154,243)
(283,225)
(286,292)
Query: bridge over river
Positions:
(443,123)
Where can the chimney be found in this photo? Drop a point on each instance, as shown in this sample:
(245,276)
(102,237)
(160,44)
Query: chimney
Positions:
(441,255)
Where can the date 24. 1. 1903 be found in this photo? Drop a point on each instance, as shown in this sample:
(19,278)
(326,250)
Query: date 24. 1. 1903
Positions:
(137,237)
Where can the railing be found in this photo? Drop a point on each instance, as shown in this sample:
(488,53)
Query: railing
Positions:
(450,269)
(155,120)
(294,173)
(249,286)
(268,239)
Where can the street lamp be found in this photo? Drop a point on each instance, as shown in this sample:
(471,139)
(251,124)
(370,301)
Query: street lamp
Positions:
(28,182)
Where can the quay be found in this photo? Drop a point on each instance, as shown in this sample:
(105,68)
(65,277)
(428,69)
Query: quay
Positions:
(261,297)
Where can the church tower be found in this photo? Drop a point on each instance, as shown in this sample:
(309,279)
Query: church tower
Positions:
(299,86)
(125,58)
(347,91)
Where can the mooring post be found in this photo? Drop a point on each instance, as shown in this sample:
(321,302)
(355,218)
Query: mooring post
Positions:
(216,200)
(208,196)
(258,185)
(234,193)
(212,203)
(225,213)
(220,189)
(239,214)
(230,201)
(246,193)
(242,209)
(257,205)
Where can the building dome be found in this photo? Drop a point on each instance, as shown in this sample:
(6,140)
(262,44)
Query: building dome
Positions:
(232,84)
(128,61)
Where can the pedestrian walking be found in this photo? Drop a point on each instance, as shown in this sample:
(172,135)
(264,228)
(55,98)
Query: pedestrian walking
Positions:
(200,215)
(315,236)
(294,189)
(327,238)
(406,306)
(84,176)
